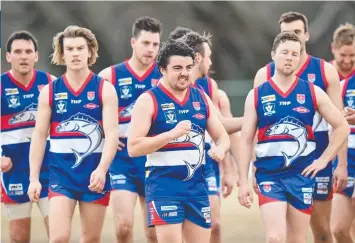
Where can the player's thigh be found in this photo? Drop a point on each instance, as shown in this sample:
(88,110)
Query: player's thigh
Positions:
(320,218)
(215,209)
(193,233)
(43,206)
(169,233)
(342,213)
(19,216)
(92,217)
(60,214)
(123,203)
(297,225)
(273,215)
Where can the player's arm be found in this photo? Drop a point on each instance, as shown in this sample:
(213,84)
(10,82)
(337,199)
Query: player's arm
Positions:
(260,76)
(106,74)
(217,132)
(110,125)
(40,133)
(341,131)
(141,120)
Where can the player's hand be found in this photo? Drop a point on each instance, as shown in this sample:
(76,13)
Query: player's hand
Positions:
(97,180)
(314,168)
(217,153)
(34,190)
(245,195)
(350,115)
(6,164)
(340,178)
(181,129)
(228,182)
(120,145)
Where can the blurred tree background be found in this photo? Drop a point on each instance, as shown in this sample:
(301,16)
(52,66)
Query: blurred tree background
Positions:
(242,31)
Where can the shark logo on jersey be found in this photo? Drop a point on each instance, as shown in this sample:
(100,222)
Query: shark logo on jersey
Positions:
(27,115)
(196,137)
(86,125)
(127,111)
(295,129)
(13,101)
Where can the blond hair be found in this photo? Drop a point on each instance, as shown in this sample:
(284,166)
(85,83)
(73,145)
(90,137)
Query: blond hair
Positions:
(74,31)
(344,35)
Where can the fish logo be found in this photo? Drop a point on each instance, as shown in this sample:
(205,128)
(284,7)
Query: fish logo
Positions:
(27,115)
(295,129)
(196,137)
(87,126)
(127,111)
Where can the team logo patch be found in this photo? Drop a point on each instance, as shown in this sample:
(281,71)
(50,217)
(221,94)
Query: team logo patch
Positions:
(196,105)
(126,92)
(269,109)
(91,95)
(155,81)
(170,117)
(61,107)
(40,87)
(91,106)
(198,116)
(268,98)
(350,102)
(301,98)
(13,101)
(311,77)
(301,109)
(266,186)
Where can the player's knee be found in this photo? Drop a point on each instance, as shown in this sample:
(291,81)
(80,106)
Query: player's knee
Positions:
(340,232)
(20,236)
(322,233)
(275,238)
(216,227)
(90,238)
(124,229)
(151,235)
(64,238)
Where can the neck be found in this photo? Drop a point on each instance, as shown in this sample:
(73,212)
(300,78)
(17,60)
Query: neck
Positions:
(24,79)
(195,75)
(137,66)
(77,76)
(179,95)
(282,81)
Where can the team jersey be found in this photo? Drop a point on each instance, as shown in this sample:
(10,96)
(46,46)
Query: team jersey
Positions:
(18,117)
(348,99)
(76,133)
(286,142)
(341,77)
(129,86)
(175,171)
(313,71)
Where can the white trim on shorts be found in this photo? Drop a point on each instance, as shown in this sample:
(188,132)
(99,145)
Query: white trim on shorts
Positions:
(23,210)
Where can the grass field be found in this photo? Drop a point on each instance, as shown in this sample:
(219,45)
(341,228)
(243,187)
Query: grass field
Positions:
(240,225)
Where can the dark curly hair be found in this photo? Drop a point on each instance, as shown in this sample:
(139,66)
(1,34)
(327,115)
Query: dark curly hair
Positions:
(173,48)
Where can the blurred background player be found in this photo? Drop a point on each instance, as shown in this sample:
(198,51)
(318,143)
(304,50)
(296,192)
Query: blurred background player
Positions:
(343,210)
(325,76)
(282,109)
(131,78)
(343,49)
(20,88)
(171,120)
(80,110)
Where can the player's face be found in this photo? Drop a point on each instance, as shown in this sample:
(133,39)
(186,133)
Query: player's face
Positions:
(76,53)
(145,47)
(22,57)
(287,57)
(344,57)
(297,27)
(178,72)
(206,62)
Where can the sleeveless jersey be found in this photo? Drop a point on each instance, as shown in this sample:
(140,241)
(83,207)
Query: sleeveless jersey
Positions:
(175,171)
(348,99)
(205,84)
(341,77)
(18,116)
(76,133)
(129,86)
(313,71)
(286,141)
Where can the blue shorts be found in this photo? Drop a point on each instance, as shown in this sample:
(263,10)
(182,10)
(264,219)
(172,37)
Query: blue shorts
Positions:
(212,176)
(323,188)
(88,196)
(296,190)
(348,191)
(128,173)
(175,212)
